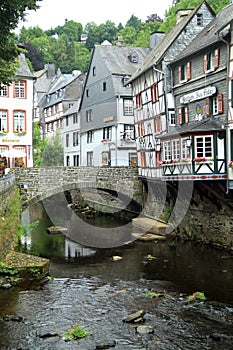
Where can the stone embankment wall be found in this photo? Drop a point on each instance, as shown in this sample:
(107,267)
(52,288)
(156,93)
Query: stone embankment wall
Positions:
(39,183)
(9,214)
(205,219)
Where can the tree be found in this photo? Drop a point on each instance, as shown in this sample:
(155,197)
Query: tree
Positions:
(134,22)
(53,151)
(39,145)
(11,13)
(35,56)
(129,35)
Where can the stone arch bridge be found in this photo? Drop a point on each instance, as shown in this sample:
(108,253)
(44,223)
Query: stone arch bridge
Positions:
(37,184)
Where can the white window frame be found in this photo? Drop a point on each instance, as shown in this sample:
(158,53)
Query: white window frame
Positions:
(205,150)
(167,150)
(128,106)
(89,158)
(175,149)
(3,120)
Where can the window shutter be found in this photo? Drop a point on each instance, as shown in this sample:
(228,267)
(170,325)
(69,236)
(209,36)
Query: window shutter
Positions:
(180,116)
(205,63)
(207,107)
(139,129)
(220,104)
(216,58)
(180,74)
(189,70)
(186,117)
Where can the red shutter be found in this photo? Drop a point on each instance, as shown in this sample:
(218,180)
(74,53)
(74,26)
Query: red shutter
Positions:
(180,74)
(186,117)
(207,107)
(180,116)
(139,129)
(205,63)
(220,104)
(216,58)
(189,70)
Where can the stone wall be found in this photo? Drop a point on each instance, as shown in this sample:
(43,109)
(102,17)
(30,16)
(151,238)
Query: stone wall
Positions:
(39,183)
(9,214)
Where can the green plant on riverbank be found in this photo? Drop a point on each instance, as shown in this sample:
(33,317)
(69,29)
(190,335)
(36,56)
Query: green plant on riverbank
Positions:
(197,296)
(25,229)
(7,271)
(74,333)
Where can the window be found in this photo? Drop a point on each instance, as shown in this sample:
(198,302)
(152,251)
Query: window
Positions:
(128,106)
(167,150)
(154,93)
(128,132)
(94,71)
(90,136)
(89,116)
(3,90)
(138,100)
(67,160)
(185,72)
(87,93)
(211,60)
(176,149)
(199,19)
(76,160)
(75,118)
(184,149)
(172,119)
(182,115)
(204,146)
(104,86)
(20,89)
(67,140)
(89,158)
(67,121)
(107,133)
(133,160)
(3,120)
(19,121)
(214,105)
(75,138)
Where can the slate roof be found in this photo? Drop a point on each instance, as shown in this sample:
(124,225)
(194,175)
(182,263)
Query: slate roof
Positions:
(209,36)
(207,124)
(73,109)
(160,50)
(23,69)
(117,58)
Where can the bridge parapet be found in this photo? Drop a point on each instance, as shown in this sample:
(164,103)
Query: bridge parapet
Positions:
(39,183)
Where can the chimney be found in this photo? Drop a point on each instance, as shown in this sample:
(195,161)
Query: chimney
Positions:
(182,13)
(50,70)
(120,41)
(155,38)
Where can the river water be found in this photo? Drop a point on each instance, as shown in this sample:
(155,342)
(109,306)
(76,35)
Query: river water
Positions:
(93,290)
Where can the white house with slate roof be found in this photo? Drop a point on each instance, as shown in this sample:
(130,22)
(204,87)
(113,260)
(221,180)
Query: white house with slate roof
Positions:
(65,90)
(16,107)
(71,135)
(106,108)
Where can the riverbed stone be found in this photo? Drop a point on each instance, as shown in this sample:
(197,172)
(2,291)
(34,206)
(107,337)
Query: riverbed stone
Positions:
(145,329)
(135,317)
(106,344)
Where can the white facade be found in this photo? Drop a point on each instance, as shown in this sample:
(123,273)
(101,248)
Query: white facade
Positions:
(16,108)
(71,136)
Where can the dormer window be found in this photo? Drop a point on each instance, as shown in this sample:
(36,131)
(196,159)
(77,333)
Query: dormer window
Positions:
(199,19)
(125,79)
(48,98)
(134,57)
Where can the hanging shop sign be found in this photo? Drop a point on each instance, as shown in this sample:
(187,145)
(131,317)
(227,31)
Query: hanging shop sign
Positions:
(198,95)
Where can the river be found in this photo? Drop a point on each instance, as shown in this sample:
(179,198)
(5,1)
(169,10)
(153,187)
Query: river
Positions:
(94,289)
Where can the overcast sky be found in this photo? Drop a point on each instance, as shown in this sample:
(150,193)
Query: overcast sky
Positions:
(53,13)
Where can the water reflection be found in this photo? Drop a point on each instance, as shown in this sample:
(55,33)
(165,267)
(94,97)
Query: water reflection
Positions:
(188,267)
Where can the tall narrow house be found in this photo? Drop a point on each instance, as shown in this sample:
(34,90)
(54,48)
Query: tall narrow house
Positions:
(106,108)
(16,108)
(155,113)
